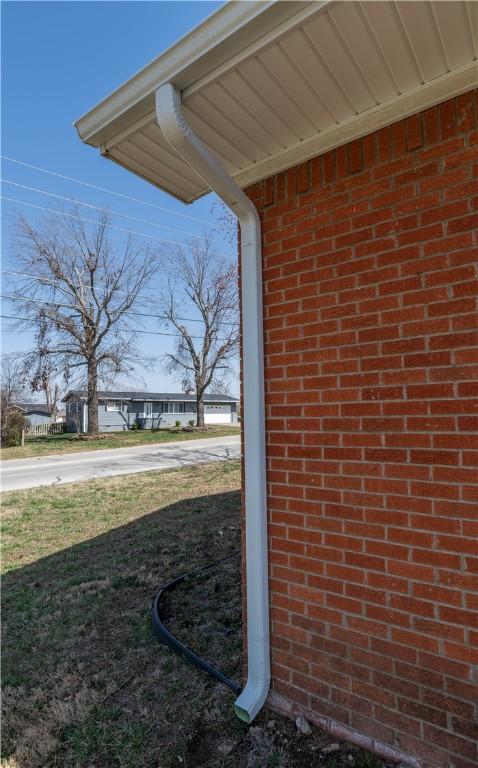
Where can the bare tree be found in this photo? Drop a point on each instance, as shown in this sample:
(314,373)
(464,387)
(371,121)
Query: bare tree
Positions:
(204,285)
(226,224)
(79,295)
(43,380)
(11,391)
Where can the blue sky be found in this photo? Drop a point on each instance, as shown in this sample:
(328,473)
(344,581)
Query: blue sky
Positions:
(58,60)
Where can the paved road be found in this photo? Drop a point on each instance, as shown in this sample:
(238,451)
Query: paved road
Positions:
(88,465)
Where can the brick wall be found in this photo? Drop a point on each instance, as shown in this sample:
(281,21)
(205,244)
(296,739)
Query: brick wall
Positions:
(370,285)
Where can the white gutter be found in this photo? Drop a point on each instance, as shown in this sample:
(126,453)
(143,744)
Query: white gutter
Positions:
(191,148)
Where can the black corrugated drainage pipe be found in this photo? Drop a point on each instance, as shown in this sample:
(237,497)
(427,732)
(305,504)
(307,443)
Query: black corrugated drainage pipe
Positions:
(165,636)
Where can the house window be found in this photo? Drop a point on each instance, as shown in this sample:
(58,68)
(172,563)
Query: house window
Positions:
(113,405)
(173,407)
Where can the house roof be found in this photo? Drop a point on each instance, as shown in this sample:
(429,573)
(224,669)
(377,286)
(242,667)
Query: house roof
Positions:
(269,84)
(156,396)
(34,408)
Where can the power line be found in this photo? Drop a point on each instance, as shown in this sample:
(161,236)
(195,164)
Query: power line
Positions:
(46,281)
(128,330)
(103,189)
(183,319)
(74,306)
(92,221)
(12,317)
(102,208)
(37,301)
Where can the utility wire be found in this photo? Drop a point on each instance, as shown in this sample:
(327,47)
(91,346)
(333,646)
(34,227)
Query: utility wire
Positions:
(12,317)
(128,330)
(92,221)
(46,281)
(103,208)
(73,306)
(37,301)
(103,189)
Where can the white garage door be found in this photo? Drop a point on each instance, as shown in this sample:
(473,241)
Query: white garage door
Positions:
(217,418)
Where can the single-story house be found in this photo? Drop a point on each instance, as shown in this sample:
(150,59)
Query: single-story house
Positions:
(146,410)
(344,137)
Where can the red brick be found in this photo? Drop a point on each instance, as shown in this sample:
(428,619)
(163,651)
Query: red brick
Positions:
(432,126)
(369,150)
(414,134)
(329,167)
(268,194)
(399,140)
(445,739)
(384,144)
(303,177)
(448,119)
(355,156)
(465,108)
(462,224)
(422,712)
(433,457)
(370,317)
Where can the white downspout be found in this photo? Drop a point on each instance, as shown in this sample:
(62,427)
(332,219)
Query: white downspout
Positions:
(181,137)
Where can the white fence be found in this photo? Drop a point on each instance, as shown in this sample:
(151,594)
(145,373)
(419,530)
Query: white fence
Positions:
(36,430)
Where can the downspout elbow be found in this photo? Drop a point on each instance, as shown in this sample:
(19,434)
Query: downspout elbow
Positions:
(192,149)
(182,138)
(252,699)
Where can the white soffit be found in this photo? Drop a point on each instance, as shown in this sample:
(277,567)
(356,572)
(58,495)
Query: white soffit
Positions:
(267,85)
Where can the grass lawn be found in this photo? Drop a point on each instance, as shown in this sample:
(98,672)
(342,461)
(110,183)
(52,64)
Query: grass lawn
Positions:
(69,443)
(85,683)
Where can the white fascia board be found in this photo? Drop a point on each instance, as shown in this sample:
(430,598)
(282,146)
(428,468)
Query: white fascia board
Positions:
(222,35)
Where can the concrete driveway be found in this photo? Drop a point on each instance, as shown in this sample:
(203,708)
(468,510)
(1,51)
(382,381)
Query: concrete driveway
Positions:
(88,465)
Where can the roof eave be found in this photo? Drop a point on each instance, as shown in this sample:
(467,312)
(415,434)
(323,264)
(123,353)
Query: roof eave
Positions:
(223,35)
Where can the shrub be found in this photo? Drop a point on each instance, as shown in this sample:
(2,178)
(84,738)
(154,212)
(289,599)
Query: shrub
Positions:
(12,434)
(57,428)
(177,423)
(191,423)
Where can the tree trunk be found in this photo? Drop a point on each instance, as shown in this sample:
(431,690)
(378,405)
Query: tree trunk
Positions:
(199,409)
(52,400)
(92,398)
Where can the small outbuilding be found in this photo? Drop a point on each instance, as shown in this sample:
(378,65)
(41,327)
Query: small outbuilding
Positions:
(36,414)
(344,137)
